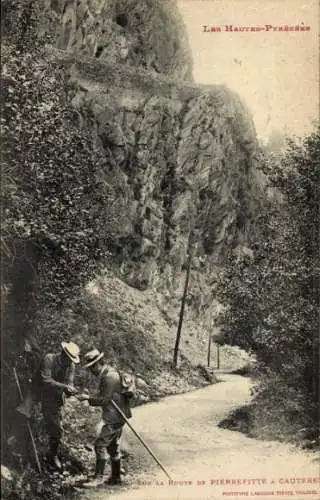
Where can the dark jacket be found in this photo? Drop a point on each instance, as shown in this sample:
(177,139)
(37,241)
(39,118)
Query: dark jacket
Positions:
(53,379)
(110,388)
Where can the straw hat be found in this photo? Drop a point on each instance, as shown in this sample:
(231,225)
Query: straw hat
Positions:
(92,357)
(72,351)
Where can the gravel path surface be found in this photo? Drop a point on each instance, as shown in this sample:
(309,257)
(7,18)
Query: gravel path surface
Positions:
(205,461)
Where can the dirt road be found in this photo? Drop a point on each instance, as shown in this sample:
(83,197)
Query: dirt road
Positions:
(206,462)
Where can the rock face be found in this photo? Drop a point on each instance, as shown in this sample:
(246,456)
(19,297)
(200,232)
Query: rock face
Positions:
(181,155)
(145,34)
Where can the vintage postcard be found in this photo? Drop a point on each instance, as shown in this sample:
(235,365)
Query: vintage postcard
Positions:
(160,167)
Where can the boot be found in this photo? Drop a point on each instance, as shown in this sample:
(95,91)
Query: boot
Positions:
(115,477)
(53,453)
(98,474)
(100,466)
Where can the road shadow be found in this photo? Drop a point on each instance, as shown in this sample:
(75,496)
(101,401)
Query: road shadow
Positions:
(247,370)
(239,420)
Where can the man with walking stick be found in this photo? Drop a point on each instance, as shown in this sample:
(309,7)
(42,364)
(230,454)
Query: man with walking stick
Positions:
(114,395)
(111,390)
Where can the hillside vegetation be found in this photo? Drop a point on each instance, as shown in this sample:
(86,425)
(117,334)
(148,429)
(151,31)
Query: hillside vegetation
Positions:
(113,160)
(271,297)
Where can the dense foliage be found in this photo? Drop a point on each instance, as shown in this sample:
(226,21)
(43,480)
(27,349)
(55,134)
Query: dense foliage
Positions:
(271,296)
(59,212)
(57,194)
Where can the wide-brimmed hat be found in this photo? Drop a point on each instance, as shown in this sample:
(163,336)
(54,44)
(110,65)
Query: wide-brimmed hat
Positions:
(72,351)
(92,357)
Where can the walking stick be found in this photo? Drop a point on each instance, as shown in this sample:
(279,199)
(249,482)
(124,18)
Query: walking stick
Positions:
(139,437)
(28,423)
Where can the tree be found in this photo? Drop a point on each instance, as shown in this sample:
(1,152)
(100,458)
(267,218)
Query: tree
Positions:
(183,301)
(271,299)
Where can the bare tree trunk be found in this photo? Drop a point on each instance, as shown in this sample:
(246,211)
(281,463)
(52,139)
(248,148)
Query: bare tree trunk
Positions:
(218,356)
(176,347)
(209,349)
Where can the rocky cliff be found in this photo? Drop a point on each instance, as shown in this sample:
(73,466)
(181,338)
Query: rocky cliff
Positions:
(177,159)
(181,156)
(141,34)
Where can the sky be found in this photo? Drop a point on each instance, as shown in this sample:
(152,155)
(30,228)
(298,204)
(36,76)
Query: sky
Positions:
(275,72)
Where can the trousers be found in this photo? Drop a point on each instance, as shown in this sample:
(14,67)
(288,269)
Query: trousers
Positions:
(53,421)
(108,442)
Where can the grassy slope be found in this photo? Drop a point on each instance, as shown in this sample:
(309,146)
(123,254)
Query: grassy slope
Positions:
(137,331)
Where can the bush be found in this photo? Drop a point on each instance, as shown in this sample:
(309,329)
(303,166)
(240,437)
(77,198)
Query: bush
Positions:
(271,297)
(59,213)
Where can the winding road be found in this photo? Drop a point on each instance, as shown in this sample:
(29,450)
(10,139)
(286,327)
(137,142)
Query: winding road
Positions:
(205,461)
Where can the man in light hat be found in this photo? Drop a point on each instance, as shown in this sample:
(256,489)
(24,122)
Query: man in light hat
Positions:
(56,382)
(110,430)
